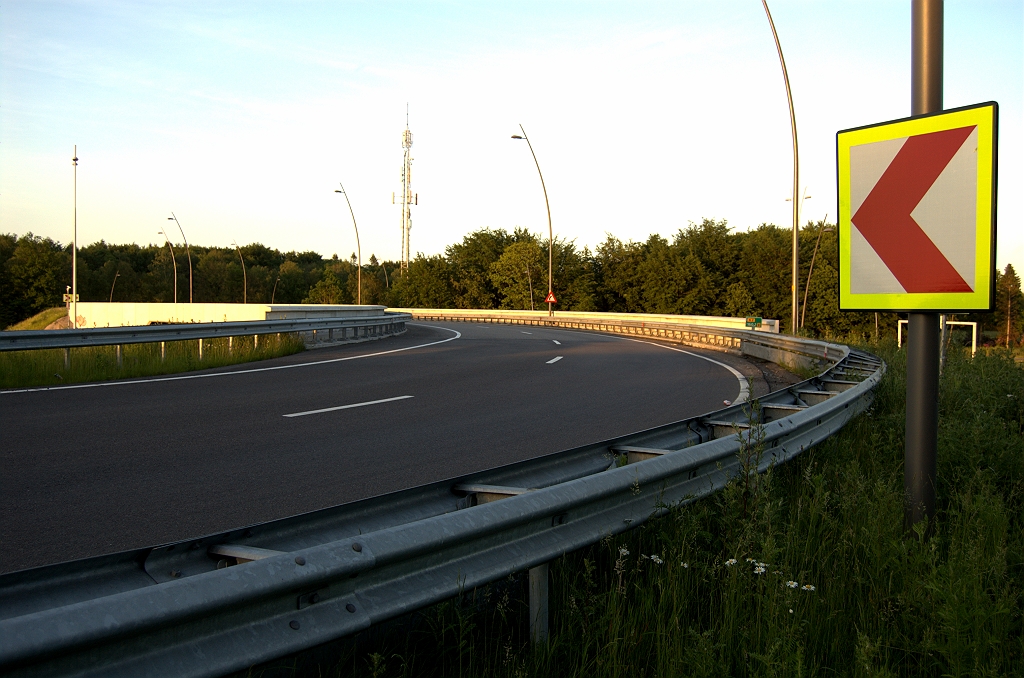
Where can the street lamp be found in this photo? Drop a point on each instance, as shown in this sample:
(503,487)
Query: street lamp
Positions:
(74,249)
(187,253)
(799,212)
(359,250)
(116,274)
(274,293)
(245,284)
(807,287)
(551,233)
(794,321)
(173,263)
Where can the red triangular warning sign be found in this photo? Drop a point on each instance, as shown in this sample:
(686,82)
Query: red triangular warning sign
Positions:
(550,299)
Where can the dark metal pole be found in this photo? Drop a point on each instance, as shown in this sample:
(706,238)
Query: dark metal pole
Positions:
(245,283)
(795,319)
(188,253)
(923,342)
(551,231)
(359,249)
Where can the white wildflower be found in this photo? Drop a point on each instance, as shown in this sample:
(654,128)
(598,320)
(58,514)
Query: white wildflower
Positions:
(656,560)
(791,610)
(759,570)
(750,560)
(792,585)
(686,566)
(731,562)
(807,587)
(623,551)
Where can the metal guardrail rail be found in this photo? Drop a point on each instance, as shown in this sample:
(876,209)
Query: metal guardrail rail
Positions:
(373,326)
(208,606)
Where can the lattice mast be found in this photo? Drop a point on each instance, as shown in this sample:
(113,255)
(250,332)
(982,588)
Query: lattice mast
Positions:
(408,197)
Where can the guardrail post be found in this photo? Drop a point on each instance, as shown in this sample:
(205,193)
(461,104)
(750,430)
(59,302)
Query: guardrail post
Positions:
(231,342)
(200,349)
(67,359)
(118,351)
(539,604)
(255,341)
(163,353)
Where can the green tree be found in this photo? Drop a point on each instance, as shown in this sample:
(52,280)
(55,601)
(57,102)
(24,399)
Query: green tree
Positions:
(520,276)
(327,291)
(738,301)
(37,272)
(763,266)
(426,284)
(1008,319)
(617,278)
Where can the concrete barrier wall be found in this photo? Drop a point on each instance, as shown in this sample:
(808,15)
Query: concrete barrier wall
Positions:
(768,325)
(101,314)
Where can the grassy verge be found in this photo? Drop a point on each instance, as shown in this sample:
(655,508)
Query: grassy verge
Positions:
(40,320)
(23,369)
(807,572)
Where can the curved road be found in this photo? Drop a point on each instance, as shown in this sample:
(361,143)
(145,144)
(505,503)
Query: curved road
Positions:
(101,468)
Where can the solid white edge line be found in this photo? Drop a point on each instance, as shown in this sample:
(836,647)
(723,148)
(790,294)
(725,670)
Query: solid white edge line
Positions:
(554,360)
(744,384)
(526,332)
(557,341)
(249,371)
(347,407)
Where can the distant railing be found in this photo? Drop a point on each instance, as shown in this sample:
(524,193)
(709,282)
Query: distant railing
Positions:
(336,329)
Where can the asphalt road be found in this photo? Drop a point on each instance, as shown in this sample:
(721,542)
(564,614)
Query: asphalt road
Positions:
(110,467)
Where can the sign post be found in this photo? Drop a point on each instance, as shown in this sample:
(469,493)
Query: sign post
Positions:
(917,232)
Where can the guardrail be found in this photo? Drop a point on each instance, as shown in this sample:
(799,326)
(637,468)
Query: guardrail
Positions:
(365,328)
(782,349)
(208,606)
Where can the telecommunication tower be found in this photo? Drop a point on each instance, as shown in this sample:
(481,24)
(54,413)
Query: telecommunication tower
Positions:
(408,197)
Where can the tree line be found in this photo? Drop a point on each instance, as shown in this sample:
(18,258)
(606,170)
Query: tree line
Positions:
(704,269)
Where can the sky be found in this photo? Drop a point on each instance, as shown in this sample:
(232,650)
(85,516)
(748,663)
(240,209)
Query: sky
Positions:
(243,117)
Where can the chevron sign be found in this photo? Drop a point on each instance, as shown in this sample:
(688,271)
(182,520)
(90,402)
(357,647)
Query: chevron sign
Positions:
(917,204)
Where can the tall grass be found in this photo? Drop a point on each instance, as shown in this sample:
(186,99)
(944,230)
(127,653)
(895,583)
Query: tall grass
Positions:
(52,367)
(807,572)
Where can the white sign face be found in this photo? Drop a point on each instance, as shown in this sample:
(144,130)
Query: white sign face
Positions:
(916,213)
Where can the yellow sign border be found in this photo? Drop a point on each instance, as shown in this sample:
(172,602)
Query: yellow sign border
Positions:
(985,117)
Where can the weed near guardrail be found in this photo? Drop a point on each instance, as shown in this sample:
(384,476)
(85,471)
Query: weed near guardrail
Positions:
(806,572)
(52,367)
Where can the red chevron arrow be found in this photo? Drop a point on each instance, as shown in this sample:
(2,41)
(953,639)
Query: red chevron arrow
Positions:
(885,222)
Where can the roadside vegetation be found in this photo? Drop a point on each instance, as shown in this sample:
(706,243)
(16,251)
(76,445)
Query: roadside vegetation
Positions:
(805,572)
(705,268)
(42,319)
(25,369)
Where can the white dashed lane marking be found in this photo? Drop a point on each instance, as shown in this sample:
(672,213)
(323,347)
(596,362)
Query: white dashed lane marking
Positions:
(346,407)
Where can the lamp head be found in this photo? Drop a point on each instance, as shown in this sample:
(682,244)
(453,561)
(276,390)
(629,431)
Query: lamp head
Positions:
(337,191)
(516,136)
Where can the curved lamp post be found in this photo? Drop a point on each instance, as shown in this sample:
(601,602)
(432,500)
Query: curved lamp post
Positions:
(187,253)
(807,286)
(74,249)
(245,284)
(551,235)
(359,250)
(795,320)
(116,275)
(173,263)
